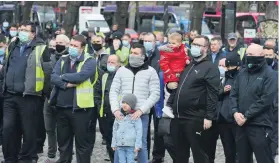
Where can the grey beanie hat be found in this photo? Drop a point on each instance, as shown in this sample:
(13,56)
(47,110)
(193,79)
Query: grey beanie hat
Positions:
(131,100)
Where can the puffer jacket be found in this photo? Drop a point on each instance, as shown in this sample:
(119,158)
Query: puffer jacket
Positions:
(144,84)
(172,61)
(127,132)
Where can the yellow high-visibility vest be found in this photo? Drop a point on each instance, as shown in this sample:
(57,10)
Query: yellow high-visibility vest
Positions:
(85,90)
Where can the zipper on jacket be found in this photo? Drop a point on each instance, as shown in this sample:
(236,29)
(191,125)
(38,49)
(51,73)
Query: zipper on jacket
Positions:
(133,84)
(181,88)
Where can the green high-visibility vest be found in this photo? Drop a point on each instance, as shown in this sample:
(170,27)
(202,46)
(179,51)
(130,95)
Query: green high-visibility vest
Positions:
(85,90)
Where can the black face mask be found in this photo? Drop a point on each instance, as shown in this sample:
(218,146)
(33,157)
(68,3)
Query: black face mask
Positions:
(60,48)
(51,50)
(269,61)
(97,47)
(141,42)
(231,73)
(254,62)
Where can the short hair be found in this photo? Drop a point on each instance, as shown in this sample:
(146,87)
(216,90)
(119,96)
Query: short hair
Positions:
(175,36)
(269,48)
(81,39)
(117,56)
(205,38)
(64,38)
(219,39)
(140,46)
(127,34)
(14,26)
(160,33)
(3,39)
(194,31)
(150,34)
(271,41)
(27,23)
(256,41)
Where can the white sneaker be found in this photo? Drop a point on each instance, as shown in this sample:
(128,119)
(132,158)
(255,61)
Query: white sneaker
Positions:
(168,111)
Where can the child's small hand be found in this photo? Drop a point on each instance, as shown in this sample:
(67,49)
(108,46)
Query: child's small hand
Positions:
(187,62)
(136,150)
(113,148)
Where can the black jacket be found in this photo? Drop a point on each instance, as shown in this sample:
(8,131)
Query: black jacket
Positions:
(220,55)
(153,60)
(224,114)
(15,69)
(197,93)
(253,94)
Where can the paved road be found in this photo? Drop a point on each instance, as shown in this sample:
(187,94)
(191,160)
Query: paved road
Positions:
(99,153)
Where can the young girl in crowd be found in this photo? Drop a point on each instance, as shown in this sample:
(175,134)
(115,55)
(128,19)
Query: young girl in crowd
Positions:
(127,133)
(172,62)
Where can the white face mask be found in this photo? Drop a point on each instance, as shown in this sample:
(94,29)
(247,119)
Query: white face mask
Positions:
(222,71)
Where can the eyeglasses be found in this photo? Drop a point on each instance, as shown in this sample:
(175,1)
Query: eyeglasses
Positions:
(194,44)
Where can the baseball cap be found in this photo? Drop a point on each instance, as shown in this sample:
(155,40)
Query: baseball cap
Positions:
(232,36)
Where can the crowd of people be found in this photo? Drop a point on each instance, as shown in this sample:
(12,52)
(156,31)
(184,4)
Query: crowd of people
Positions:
(195,90)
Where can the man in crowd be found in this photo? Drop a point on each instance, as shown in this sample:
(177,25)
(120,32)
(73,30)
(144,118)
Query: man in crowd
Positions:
(100,53)
(23,86)
(141,80)
(103,87)
(270,57)
(195,103)
(159,38)
(13,32)
(233,45)
(194,33)
(251,100)
(50,113)
(74,77)
(109,36)
(126,40)
(216,53)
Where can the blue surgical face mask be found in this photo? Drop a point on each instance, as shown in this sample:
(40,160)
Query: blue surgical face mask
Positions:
(5,24)
(73,52)
(195,51)
(125,43)
(13,33)
(111,68)
(148,46)
(2,51)
(222,71)
(23,36)
(158,43)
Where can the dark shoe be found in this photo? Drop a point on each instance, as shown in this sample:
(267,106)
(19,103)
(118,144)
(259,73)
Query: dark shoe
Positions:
(107,159)
(158,160)
(104,142)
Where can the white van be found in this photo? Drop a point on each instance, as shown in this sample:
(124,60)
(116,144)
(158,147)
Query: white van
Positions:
(90,17)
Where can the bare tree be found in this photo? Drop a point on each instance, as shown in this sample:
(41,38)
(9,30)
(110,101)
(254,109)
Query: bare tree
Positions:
(166,16)
(71,16)
(121,14)
(197,15)
(137,16)
(26,9)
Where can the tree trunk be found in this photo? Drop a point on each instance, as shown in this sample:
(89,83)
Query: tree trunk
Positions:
(121,14)
(271,11)
(197,15)
(71,16)
(137,16)
(26,9)
(166,16)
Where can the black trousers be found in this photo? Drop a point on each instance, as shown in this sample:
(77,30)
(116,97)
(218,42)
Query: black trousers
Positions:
(210,137)
(81,125)
(20,120)
(1,121)
(253,139)
(227,133)
(41,131)
(101,126)
(108,125)
(188,134)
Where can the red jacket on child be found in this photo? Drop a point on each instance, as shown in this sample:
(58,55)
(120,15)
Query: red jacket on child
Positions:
(172,62)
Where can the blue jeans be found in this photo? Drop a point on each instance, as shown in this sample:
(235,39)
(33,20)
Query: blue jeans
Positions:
(143,154)
(125,154)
